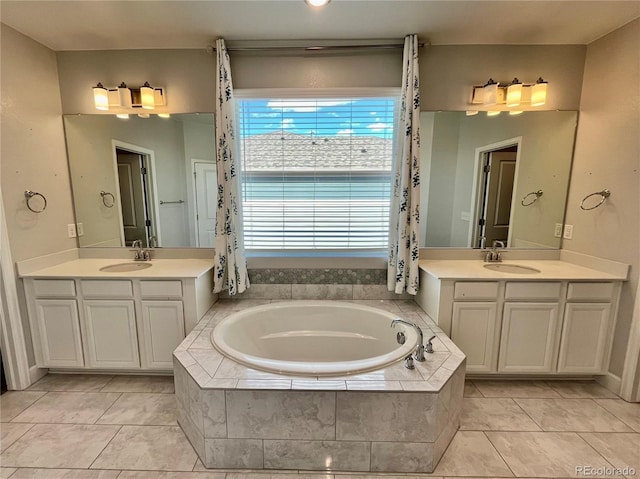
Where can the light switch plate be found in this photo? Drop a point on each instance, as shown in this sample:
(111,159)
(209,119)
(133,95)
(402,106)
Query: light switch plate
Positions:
(80,229)
(71,230)
(568,232)
(558,231)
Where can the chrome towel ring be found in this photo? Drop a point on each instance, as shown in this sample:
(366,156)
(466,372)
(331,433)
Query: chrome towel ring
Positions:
(108,203)
(604,194)
(533,197)
(28,194)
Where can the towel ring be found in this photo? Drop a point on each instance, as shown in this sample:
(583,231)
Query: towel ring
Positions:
(535,194)
(30,194)
(604,195)
(104,195)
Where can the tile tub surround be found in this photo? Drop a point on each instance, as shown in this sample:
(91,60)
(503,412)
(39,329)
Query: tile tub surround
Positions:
(389,420)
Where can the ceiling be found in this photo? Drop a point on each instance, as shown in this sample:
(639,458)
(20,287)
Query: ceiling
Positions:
(133,24)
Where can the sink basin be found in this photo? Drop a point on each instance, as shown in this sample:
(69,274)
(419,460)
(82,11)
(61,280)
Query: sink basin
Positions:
(124,267)
(511,268)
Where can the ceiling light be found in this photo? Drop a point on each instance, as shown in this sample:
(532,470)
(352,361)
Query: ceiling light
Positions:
(539,93)
(317,3)
(100,97)
(514,93)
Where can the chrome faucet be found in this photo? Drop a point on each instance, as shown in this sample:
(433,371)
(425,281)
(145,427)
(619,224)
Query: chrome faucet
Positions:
(140,253)
(493,255)
(419,355)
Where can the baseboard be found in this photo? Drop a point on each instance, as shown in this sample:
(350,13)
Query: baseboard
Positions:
(36,373)
(610,381)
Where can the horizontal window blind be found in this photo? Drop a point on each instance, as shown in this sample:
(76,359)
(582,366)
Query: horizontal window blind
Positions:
(316,172)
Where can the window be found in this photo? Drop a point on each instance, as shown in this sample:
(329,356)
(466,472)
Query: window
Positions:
(316,172)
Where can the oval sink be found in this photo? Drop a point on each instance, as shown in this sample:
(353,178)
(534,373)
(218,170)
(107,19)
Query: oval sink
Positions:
(124,267)
(511,268)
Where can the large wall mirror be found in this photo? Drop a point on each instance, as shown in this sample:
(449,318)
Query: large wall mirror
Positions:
(501,178)
(143,178)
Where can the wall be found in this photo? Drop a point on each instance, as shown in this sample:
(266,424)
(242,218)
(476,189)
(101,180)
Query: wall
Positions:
(447,72)
(33,152)
(607,155)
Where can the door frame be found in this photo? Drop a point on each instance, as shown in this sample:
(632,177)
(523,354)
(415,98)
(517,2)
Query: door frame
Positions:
(477,190)
(195,196)
(153,206)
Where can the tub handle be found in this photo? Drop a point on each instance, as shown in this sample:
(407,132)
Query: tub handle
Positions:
(409,362)
(401,338)
(429,346)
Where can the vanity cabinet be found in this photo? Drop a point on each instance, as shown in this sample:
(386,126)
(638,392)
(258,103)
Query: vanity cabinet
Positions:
(519,327)
(119,324)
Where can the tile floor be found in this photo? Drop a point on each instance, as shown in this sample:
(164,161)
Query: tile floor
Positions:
(117,427)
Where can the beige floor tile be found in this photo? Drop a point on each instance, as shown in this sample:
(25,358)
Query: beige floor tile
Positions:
(64,474)
(471,391)
(58,446)
(494,414)
(142,409)
(5,472)
(13,403)
(72,382)
(627,412)
(471,454)
(580,389)
(148,448)
(545,454)
(140,384)
(515,389)
(170,475)
(621,450)
(68,408)
(10,433)
(578,415)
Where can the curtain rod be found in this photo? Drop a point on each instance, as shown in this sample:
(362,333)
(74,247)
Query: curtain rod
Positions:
(316,48)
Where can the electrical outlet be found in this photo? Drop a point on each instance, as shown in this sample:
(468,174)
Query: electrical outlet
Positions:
(80,229)
(71,230)
(568,232)
(557,232)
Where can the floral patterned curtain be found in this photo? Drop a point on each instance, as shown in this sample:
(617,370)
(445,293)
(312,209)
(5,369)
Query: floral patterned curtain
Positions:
(230,268)
(404,236)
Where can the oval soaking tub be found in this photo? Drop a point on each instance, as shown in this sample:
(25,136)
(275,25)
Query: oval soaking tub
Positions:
(313,338)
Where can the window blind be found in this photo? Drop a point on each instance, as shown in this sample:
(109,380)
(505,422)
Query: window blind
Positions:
(316,172)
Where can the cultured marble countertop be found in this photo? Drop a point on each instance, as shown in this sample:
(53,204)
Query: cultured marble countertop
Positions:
(90,268)
(549,270)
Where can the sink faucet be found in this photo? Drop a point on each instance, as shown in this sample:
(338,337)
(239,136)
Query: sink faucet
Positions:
(419,356)
(140,253)
(493,255)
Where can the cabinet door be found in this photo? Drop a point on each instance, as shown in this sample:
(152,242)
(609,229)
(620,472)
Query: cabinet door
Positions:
(584,338)
(59,331)
(527,344)
(163,330)
(112,341)
(473,330)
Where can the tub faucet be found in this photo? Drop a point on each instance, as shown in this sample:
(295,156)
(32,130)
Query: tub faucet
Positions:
(419,356)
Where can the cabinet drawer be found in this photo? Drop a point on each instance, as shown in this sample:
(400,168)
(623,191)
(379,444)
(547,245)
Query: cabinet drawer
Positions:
(54,287)
(476,290)
(161,289)
(107,289)
(590,291)
(532,290)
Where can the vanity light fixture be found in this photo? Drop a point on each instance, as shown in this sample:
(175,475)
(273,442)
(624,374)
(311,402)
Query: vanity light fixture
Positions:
(490,92)
(539,93)
(514,92)
(125,98)
(100,97)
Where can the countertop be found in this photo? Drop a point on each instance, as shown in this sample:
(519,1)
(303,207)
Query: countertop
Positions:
(549,270)
(90,268)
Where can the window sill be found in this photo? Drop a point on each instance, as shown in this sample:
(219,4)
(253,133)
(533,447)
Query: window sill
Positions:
(336,259)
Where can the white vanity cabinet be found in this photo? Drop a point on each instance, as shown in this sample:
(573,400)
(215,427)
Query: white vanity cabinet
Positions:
(113,324)
(520,327)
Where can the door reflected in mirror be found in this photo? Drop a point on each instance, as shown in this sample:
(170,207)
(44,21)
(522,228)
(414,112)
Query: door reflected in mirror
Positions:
(152,179)
(480,174)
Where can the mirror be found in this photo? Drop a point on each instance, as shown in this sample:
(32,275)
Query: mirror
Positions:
(495,178)
(143,178)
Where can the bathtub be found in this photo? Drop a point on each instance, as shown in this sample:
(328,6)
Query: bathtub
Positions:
(313,338)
